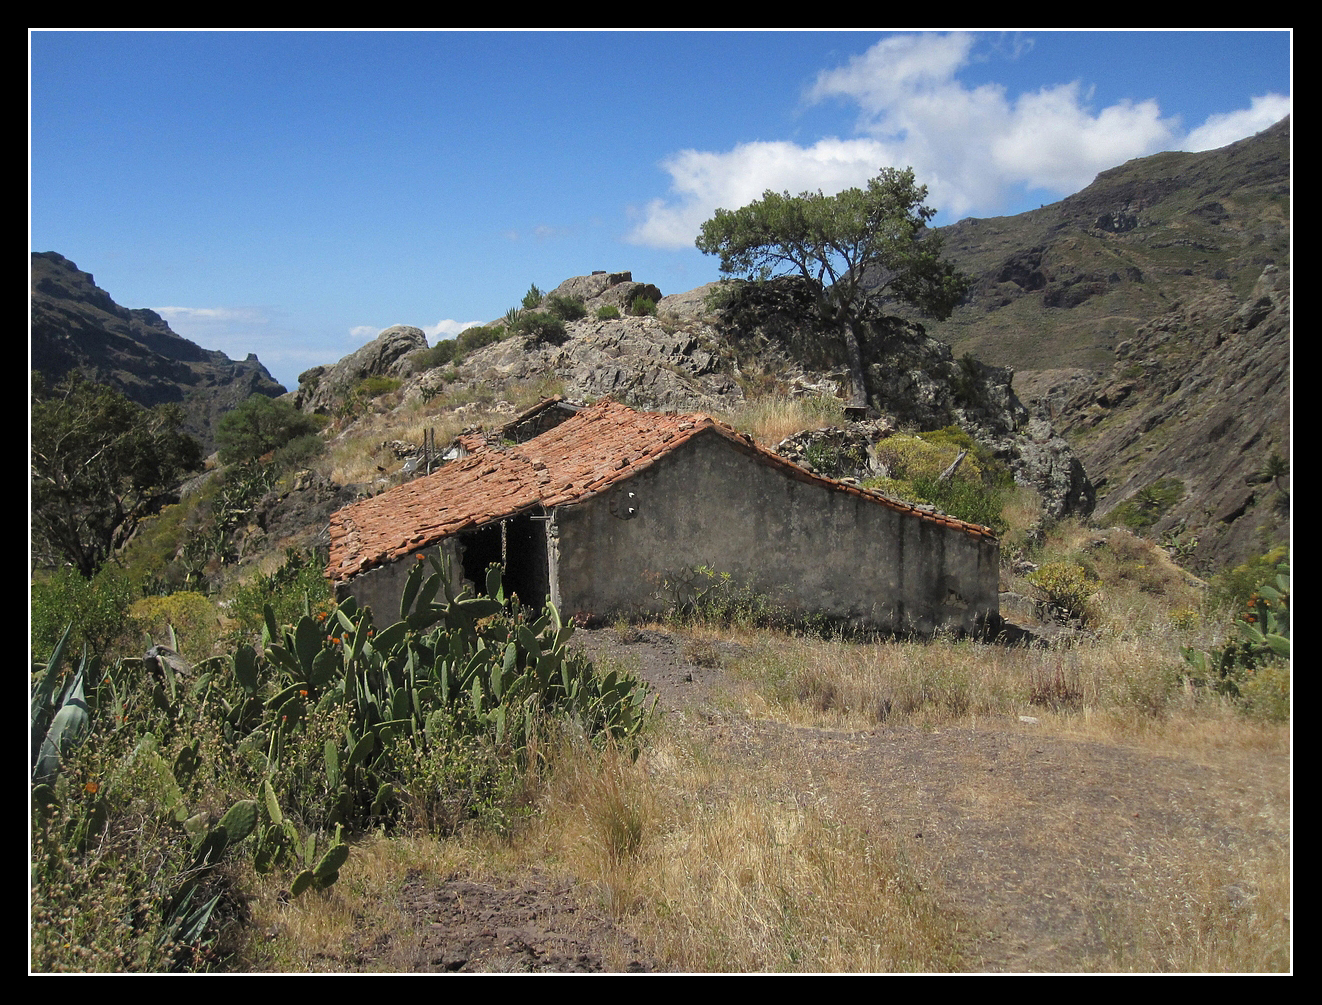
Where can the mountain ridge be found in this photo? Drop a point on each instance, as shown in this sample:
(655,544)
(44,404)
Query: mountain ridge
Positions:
(77,326)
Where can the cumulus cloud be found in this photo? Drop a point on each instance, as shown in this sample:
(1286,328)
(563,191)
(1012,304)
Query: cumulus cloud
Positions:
(365,331)
(974,147)
(703,181)
(448,328)
(1219,130)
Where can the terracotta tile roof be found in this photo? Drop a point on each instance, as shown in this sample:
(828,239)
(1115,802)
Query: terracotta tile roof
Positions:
(602,445)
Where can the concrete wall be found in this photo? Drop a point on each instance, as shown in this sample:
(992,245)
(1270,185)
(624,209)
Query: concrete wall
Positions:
(811,548)
(381,588)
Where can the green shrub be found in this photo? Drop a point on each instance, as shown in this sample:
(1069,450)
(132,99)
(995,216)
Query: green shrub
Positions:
(964,500)
(705,595)
(299,585)
(260,425)
(722,295)
(978,490)
(298,453)
(541,326)
(193,617)
(1148,505)
(533,297)
(1065,586)
(377,385)
(642,306)
(567,308)
(607,312)
(1231,590)
(98,608)
(475,338)
(438,355)
(1254,665)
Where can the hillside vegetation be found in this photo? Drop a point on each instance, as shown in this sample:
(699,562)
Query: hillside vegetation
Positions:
(231,772)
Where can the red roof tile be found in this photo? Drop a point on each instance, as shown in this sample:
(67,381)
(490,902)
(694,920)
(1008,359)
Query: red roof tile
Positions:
(602,445)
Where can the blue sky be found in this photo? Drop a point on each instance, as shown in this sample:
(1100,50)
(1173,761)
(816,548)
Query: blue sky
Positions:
(291,193)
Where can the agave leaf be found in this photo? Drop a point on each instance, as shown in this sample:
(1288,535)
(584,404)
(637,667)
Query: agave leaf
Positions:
(66,730)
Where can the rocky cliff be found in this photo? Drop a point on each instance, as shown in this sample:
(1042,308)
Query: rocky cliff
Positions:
(77,326)
(1182,428)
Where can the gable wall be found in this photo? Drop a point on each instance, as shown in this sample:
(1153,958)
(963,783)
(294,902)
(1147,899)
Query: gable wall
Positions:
(810,548)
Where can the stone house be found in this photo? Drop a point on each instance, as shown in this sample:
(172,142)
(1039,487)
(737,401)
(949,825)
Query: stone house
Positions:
(598,510)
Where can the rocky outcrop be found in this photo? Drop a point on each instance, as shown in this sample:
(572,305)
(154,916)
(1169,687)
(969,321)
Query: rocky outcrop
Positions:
(766,339)
(642,361)
(385,356)
(1199,396)
(76,326)
(606,289)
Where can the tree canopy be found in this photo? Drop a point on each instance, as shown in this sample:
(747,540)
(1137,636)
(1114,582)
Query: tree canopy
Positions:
(100,464)
(260,425)
(857,249)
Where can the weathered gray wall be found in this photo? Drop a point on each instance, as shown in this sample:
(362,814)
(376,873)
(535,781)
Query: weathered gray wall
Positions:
(381,588)
(811,548)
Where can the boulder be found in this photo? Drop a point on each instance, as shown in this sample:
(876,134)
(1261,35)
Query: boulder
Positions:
(321,387)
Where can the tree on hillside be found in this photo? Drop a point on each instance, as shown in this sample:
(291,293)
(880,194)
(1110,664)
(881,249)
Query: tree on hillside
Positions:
(833,242)
(100,464)
(260,425)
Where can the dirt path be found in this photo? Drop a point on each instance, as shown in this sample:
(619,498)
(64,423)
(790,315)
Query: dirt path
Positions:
(1055,848)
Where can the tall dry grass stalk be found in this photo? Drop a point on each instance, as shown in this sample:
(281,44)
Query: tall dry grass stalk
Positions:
(1120,688)
(771,418)
(718,869)
(1213,916)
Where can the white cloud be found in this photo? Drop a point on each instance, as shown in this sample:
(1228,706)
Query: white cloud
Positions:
(365,331)
(1220,130)
(1052,142)
(212,315)
(974,147)
(448,328)
(704,181)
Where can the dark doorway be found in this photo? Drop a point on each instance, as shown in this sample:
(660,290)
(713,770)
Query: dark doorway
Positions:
(518,546)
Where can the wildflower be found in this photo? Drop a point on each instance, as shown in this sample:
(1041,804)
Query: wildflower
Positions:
(91,788)
(421,557)
(303,693)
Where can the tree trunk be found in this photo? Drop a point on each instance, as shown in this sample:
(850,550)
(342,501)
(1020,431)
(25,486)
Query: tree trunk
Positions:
(858,394)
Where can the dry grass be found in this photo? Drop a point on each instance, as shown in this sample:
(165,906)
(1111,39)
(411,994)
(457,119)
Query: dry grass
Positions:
(1227,913)
(719,867)
(357,454)
(319,931)
(771,418)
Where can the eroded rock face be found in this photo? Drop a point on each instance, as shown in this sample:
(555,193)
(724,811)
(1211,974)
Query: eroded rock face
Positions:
(602,289)
(640,361)
(1199,395)
(320,387)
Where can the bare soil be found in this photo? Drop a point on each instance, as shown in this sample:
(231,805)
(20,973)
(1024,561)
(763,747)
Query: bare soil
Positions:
(1044,843)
